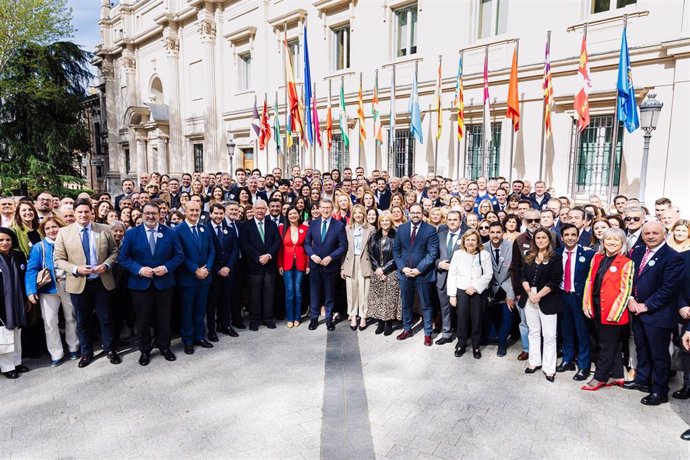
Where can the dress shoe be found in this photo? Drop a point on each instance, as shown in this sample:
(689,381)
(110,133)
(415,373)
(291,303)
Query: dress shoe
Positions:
(253,326)
(229,331)
(145,358)
(592,386)
(581,375)
(501,352)
(313,324)
(380,327)
(269,324)
(404,335)
(615,383)
(685,436)
(459,351)
(22,369)
(85,360)
(362,327)
(212,337)
(523,356)
(565,366)
(476,353)
(239,325)
(11,374)
(388,329)
(189,349)
(203,343)
(532,370)
(632,385)
(74,355)
(330,325)
(168,354)
(550,378)
(427,341)
(113,357)
(55,362)
(353,327)
(654,399)
(443,340)
(683,393)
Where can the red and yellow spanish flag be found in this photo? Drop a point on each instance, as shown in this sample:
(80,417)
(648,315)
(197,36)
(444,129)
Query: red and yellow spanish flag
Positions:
(547,86)
(581,103)
(360,116)
(293,97)
(460,101)
(329,127)
(265,132)
(513,98)
(439,107)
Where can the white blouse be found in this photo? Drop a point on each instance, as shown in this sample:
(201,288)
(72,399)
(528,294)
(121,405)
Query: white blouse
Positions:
(467,270)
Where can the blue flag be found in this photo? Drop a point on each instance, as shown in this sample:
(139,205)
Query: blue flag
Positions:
(307,90)
(415,113)
(626,106)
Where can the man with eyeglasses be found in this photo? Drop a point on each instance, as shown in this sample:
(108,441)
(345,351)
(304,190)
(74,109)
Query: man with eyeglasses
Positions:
(6,212)
(44,206)
(634,219)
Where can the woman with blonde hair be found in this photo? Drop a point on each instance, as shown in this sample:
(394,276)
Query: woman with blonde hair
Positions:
(356,268)
(679,236)
(436,217)
(397,216)
(343,208)
(384,303)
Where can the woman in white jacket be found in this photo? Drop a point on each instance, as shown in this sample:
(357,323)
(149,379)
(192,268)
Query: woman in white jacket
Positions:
(469,276)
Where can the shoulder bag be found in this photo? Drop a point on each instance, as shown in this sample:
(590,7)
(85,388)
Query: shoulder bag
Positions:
(43,277)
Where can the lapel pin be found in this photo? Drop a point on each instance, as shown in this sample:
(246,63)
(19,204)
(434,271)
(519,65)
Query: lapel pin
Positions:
(613,269)
(651,263)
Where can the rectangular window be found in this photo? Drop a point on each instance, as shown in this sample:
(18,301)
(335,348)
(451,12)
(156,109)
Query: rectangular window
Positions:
(293,153)
(245,71)
(403,153)
(599,6)
(198,157)
(341,48)
(406,31)
(295,59)
(127,162)
(476,163)
(248,158)
(493,17)
(593,156)
(340,156)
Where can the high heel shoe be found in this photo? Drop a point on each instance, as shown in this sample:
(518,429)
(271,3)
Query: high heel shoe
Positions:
(550,378)
(364,326)
(532,370)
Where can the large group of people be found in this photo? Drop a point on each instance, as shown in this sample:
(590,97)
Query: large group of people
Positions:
(485,261)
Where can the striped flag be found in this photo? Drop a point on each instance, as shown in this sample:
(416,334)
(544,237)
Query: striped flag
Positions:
(378,132)
(315,120)
(343,117)
(265,131)
(487,107)
(329,127)
(276,125)
(293,98)
(415,113)
(460,101)
(547,86)
(513,98)
(439,107)
(256,123)
(581,103)
(360,115)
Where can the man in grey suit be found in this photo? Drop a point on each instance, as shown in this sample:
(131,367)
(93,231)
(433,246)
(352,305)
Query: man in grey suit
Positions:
(448,239)
(501,286)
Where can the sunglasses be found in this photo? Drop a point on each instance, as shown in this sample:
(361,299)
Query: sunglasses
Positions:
(632,219)
(532,221)
(484,227)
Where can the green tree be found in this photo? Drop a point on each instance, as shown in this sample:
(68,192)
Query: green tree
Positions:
(42,131)
(23,22)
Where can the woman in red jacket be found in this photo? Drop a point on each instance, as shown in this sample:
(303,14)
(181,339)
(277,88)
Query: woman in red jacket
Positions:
(605,300)
(292,264)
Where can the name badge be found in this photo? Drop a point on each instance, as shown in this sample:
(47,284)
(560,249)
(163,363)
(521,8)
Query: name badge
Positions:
(525,246)
(225,232)
(22,266)
(651,263)
(96,235)
(501,259)
(159,235)
(582,259)
(613,269)
(201,229)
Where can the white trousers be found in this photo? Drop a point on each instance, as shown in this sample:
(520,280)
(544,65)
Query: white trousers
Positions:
(9,360)
(540,324)
(50,306)
(357,288)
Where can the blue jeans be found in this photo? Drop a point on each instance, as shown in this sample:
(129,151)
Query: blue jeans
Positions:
(500,324)
(293,294)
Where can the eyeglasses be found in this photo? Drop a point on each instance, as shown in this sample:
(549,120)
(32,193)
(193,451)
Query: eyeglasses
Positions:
(484,227)
(532,221)
(632,219)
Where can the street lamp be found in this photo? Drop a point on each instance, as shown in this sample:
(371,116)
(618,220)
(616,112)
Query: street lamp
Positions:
(649,117)
(231,150)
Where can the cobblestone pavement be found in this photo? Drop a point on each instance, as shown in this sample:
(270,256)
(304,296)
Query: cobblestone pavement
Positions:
(261,396)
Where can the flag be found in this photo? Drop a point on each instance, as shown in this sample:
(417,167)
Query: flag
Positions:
(582,97)
(360,115)
(315,118)
(391,129)
(307,90)
(460,101)
(439,107)
(487,108)
(626,106)
(415,113)
(343,117)
(265,131)
(276,125)
(256,123)
(303,111)
(547,86)
(288,131)
(329,127)
(295,122)
(378,132)
(513,98)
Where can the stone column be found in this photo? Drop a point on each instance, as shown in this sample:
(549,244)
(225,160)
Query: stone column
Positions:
(172,98)
(116,164)
(207,35)
(129,63)
(140,139)
(162,144)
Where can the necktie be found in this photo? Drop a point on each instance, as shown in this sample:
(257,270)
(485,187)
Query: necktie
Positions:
(219,233)
(496,256)
(86,244)
(567,273)
(261,231)
(323,230)
(152,241)
(234,228)
(195,233)
(451,238)
(413,236)
(645,259)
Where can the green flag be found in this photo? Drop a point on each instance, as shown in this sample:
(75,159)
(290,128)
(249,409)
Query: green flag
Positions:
(343,117)
(276,126)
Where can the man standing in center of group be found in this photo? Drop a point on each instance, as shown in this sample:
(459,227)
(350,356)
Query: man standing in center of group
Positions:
(220,293)
(260,242)
(448,238)
(415,251)
(193,277)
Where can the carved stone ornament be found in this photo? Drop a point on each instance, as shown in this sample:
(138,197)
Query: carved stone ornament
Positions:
(207,30)
(107,72)
(129,64)
(172,46)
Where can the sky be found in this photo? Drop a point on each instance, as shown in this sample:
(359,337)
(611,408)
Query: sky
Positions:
(85,15)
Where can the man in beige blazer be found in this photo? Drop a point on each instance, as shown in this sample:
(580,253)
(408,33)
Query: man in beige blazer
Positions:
(86,251)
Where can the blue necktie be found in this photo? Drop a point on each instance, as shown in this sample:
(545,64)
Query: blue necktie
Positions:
(195,233)
(323,230)
(152,242)
(86,245)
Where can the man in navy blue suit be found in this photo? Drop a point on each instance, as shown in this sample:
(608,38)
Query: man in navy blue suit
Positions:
(658,272)
(325,244)
(226,246)
(576,261)
(193,277)
(415,250)
(578,217)
(260,242)
(150,253)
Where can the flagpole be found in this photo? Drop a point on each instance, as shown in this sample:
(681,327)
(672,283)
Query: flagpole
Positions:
(391,124)
(342,111)
(487,136)
(543,116)
(328,150)
(256,141)
(576,157)
(312,103)
(614,139)
(460,141)
(440,112)
(266,107)
(512,135)
(376,146)
(287,110)
(359,151)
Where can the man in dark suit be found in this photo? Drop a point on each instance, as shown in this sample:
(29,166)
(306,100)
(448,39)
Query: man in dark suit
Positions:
(539,197)
(383,194)
(325,244)
(658,272)
(226,247)
(448,237)
(415,251)
(237,273)
(193,277)
(127,190)
(501,284)
(274,211)
(578,217)
(260,242)
(574,329)
(151,253)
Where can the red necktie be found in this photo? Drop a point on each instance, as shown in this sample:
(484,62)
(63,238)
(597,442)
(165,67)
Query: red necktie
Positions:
(645,259)
(567,283)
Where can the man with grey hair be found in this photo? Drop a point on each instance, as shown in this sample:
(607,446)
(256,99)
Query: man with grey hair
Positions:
(67,214)
(634,219)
